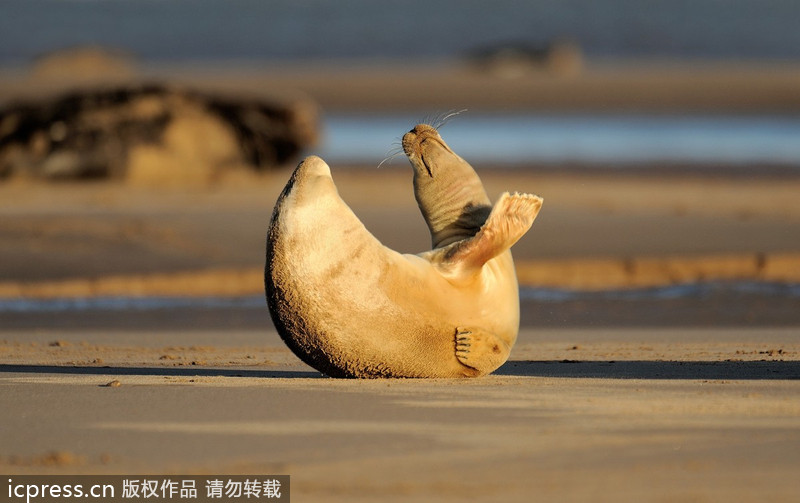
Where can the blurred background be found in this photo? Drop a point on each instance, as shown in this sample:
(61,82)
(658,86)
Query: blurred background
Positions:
(255,32)
(652,128)
(609,82)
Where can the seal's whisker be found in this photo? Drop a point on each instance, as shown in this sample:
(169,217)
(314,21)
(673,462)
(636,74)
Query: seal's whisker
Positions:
(428,118)
(388,159)
(440,122)
(396,150)
(431,118)
(436,119)
(396,147)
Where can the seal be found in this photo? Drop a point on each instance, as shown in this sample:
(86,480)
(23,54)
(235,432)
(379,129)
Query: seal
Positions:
(350,307)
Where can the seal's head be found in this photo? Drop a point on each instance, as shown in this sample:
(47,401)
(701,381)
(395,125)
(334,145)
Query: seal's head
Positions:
(448,191)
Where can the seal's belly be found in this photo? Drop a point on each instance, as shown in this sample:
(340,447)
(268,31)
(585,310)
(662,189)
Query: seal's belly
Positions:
(375,313)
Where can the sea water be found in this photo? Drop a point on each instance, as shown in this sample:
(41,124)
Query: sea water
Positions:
(626,140)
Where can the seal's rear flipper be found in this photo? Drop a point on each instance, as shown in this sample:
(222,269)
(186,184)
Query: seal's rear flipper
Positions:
(510,219)
(480,350)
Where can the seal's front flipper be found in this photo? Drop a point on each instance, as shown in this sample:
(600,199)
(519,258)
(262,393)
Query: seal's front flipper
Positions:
(480,350)
(510,219)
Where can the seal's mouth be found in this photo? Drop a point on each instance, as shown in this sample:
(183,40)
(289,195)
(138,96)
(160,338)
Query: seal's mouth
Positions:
(427,166)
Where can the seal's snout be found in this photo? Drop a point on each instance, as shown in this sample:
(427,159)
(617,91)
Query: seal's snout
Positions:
(425,149)
(420,129)
(414,138)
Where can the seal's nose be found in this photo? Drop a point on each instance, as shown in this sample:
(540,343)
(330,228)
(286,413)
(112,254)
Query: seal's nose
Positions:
(416,136)
(420,129)
(409,141)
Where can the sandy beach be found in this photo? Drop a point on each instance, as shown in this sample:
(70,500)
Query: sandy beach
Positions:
(639,395)
(577,415)
(691,399)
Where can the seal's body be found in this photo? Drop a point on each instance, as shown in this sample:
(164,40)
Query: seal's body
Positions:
(350,307)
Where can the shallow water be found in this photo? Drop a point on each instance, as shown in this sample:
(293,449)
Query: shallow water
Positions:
(722,304)
(586,139)
(527,294)
(682,291)
(127,304)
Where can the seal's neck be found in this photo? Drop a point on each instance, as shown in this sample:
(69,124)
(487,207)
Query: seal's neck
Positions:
(453,202)
(448,191)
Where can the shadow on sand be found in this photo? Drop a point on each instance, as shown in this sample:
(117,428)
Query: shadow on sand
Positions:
(713,370)
(726,370)
(157,371)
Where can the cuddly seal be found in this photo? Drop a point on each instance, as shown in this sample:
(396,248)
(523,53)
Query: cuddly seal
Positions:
(351,307)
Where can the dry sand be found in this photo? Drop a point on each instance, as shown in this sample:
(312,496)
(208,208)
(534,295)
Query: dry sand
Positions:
(576,415)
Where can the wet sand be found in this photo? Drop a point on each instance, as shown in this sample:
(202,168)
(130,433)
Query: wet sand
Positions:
(109,230)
